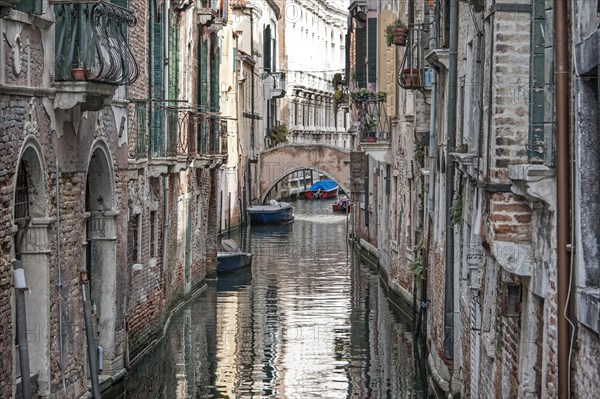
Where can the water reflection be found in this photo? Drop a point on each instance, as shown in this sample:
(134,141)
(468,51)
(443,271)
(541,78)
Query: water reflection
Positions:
(306,321)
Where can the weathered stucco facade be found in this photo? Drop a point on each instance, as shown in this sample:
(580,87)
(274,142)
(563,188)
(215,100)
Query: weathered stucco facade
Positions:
(103,187)
(467,230)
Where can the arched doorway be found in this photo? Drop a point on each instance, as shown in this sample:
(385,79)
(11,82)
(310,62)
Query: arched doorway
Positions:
(101,251)
(32,248)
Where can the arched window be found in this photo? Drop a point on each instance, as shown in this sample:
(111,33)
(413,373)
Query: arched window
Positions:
(22,195)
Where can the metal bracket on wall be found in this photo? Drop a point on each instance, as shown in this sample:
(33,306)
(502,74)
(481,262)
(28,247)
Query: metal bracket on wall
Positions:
(494,187)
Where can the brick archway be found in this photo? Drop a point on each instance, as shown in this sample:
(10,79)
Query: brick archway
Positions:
(277,163)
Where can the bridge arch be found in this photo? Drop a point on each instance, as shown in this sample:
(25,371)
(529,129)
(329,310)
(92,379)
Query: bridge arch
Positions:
(277,163)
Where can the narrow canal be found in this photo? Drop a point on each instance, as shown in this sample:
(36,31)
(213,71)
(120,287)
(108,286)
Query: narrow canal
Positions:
(307,320)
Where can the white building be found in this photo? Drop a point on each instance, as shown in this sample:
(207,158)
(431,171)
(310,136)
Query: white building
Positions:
(315,44)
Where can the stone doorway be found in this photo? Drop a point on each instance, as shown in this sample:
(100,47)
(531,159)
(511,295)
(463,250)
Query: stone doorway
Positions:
(32,246)
(101,252)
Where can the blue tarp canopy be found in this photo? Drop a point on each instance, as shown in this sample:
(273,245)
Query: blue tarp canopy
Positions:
(323,185)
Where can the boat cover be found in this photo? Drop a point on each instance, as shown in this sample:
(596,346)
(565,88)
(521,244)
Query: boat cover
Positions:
(229,246)
(323,185)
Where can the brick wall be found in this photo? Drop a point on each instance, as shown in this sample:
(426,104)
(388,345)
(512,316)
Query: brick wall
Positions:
(586,364)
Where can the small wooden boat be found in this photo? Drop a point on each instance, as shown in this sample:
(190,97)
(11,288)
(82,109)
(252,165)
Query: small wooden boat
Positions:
(343,205)
(321,190)
(274,213)
(231,258)
(228,262)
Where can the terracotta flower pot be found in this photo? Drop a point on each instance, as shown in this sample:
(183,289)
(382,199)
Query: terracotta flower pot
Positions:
(431,4)
(400,36)
(78,73)
(410,78)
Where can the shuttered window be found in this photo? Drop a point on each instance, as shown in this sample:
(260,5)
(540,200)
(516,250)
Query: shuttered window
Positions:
(267,49)
(30,6)
(541,121)
(361,56)
(157,48)
(372,50)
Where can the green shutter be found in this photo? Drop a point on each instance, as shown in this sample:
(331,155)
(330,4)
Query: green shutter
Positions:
(361,53)
(157,48)
(30,6)
(372,50)
(122,3)
(541,104)
(267,49)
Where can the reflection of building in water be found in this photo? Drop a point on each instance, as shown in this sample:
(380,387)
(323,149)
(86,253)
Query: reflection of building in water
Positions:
(386,368)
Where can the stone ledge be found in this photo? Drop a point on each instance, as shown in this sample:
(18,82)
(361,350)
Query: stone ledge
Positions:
(438,58)
(534,182)
(588,308)
(587,54)
(514,257)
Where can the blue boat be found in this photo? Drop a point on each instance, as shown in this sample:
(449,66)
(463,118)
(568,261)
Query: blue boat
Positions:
(228,262)
(322,189)
(274,213)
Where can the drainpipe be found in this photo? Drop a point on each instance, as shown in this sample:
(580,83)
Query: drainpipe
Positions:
(450,144)
(563,189)
(166,133)
(89,334)
(21,316)
(252,82)
(252,109)
(165,222)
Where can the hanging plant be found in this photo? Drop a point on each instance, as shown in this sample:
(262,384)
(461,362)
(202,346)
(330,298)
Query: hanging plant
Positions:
(396,33)
(278,134)
(381,96)
(339,97)
(338,80)
(360,95)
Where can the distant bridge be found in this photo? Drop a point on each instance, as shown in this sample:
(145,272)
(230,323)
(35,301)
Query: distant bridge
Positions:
(277,163)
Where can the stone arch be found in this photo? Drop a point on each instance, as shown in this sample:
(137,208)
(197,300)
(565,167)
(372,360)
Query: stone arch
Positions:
(32,247)
(278,162)
(270,188)
(101,249)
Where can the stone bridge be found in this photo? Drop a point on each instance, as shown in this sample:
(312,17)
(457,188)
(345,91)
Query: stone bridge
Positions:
(277,163)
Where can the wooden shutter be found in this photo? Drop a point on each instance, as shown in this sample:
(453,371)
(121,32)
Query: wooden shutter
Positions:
(30,6)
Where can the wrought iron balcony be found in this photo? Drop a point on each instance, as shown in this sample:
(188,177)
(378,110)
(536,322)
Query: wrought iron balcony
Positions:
(412,74)
(92,53)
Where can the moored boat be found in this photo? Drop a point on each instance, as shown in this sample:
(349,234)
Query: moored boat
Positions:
(343,205)
(231,258)
(231,261)
(274,213)
(321,190)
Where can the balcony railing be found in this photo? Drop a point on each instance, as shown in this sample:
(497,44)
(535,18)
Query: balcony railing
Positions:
(164,132)
(92,45)
(374,124)
(140,129)
(412,75)
(202,133)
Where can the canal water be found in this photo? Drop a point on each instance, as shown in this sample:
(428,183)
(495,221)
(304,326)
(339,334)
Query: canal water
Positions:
(307,320)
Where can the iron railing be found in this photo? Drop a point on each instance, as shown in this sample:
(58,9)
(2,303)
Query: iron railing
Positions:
(92,45)
(140,129)
(374,124)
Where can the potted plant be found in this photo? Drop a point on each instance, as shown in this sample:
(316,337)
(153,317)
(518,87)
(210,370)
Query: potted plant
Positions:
(396,33)
(410,78)
(381,96)
(371,128)
(77,69)
(360,95)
